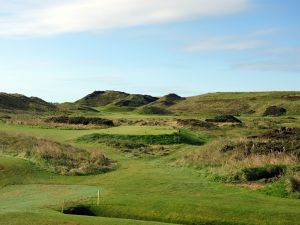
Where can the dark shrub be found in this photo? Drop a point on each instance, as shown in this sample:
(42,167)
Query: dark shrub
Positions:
(194,123)
(224,119)
(5,117)
(267,172)
(81,120)
(275,111)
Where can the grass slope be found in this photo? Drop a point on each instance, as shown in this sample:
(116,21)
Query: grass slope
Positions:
(54,156)
(180,137)
(239,103)
(21,102)
(101,98)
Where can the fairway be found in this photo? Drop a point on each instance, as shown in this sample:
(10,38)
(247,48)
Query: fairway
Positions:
(140,189)
(18,198)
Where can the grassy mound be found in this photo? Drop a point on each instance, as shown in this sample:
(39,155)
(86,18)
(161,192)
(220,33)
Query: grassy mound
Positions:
(180,137)
(152,110)
(102,98)
(167,100)
(194,123)
(57,157)
(69,106)
(23,103)
(237,103)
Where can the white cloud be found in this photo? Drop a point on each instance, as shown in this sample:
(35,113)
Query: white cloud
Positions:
(253,40)
(225,44)
(270,66)
(28,18)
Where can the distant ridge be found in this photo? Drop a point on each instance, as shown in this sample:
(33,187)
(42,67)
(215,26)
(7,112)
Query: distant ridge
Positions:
(168,100)
(102,98)
(116,98)
(24,103)
(136,100)
(220,103)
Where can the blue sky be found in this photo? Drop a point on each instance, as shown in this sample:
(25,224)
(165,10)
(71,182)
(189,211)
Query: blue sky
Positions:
(61,50)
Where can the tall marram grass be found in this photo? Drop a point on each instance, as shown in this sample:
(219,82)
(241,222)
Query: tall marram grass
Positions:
(57,157)
(229,163)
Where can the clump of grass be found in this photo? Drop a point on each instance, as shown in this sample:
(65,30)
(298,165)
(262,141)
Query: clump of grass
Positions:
(275,111)
(59,158)
(194,124)
(265,172)
(293,183)
(293,180)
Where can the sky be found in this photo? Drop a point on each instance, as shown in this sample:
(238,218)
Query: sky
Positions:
(62,50)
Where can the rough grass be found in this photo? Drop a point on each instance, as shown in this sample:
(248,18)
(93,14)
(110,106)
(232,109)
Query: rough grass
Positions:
(59,158)
(227,158)
(293,183)
(20,102)
(238,103)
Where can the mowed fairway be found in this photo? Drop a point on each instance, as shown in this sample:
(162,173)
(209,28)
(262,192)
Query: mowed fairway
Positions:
(138,190)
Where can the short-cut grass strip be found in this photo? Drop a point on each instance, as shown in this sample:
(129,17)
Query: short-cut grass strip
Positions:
(16,198)
(138,130)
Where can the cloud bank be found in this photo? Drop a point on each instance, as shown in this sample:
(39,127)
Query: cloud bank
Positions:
(28,18)
(223,44)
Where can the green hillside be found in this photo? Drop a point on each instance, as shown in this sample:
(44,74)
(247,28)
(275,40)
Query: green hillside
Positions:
(21,102)
(135,101)
(235,103)
(239,103)
(102,98)
(167,100)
